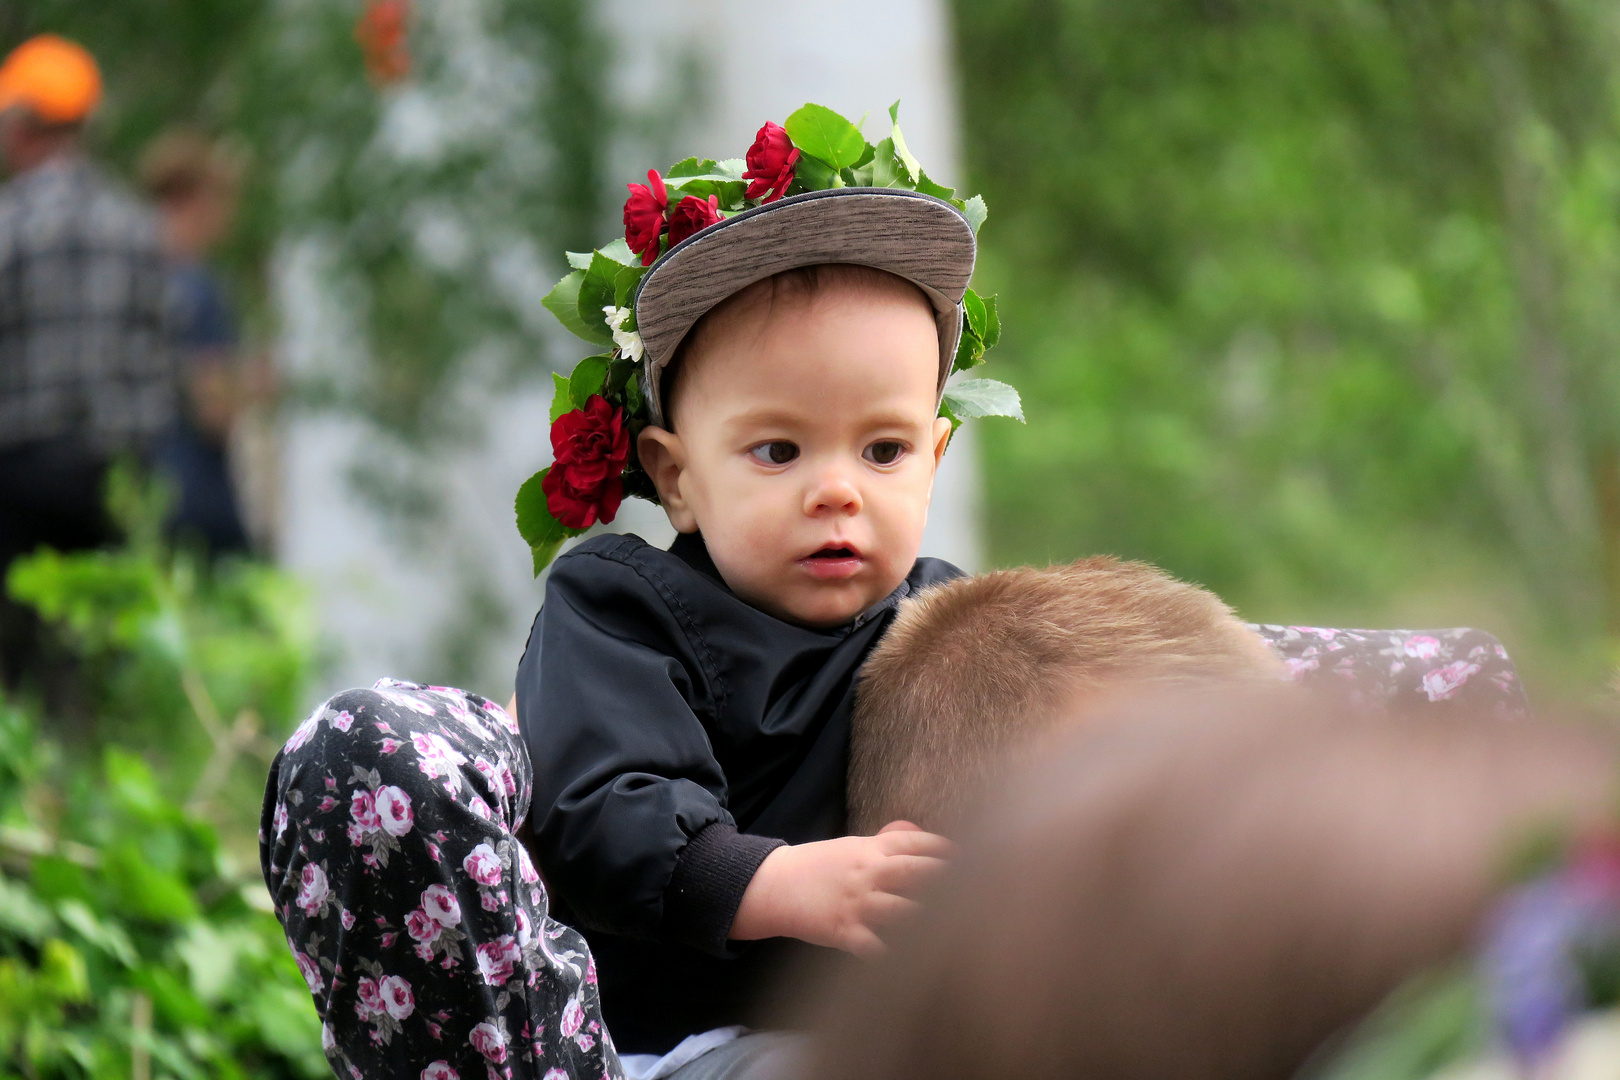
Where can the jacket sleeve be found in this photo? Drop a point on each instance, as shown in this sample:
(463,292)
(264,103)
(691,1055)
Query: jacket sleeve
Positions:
(629,816)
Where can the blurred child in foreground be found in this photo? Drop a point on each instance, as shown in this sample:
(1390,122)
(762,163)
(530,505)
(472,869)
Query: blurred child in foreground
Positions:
(1210,886)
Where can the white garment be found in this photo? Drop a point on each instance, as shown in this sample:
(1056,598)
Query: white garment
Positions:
(653,1067)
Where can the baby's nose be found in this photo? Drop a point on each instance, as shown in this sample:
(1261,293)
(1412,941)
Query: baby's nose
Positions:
(834,492)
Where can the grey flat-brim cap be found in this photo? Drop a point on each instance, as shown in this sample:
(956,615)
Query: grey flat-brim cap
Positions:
(920,238)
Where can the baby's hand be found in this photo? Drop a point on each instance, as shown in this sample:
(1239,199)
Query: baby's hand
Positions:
(840,892)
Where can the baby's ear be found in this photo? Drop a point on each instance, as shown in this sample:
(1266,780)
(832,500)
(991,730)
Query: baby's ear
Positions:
(942,438)
(663,456)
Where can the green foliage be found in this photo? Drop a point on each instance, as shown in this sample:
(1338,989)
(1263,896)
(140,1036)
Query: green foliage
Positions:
(134,930)
(190,664)
(823,134)
(125,937)
(543,533)
(1313,303)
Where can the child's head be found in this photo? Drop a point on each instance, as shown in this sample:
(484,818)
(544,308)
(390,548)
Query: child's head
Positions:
(975,666)
(803,438)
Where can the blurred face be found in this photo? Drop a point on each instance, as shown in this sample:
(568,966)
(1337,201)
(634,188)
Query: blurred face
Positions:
(195,222)
(806,448)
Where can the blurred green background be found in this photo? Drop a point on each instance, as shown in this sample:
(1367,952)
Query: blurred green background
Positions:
(1312,303)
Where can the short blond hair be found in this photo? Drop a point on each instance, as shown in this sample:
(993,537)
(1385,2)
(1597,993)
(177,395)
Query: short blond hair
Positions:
(974,666)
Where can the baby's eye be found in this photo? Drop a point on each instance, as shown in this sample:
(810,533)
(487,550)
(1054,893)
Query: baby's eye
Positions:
(779,452)
(884,452)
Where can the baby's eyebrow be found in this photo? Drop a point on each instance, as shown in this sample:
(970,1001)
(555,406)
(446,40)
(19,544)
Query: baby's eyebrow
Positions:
(767,417)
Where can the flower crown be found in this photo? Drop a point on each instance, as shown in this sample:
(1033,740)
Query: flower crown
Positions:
(599,409)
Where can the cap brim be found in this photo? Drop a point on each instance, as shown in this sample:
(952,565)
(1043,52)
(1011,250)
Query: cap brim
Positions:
(920,238)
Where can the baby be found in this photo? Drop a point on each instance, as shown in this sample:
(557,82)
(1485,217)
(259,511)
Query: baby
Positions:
(687,711)
(973,668)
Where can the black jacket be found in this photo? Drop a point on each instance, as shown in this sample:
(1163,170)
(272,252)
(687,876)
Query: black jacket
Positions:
(677,736)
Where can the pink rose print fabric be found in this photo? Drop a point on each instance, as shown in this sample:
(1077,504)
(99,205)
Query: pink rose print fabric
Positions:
(415,915)
(1397,669)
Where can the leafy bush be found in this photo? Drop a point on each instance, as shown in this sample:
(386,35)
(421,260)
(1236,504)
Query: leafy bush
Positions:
(128,943)
(135,934)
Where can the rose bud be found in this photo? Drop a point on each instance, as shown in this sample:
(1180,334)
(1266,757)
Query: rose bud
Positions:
(644,216)
(586,481)
(691,215)
(770,163)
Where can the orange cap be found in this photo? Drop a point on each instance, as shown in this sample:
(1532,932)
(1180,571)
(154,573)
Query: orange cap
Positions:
(54,77)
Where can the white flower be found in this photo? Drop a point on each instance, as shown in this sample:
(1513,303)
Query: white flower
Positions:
(394,811)
(397,997)
(628,341)
(313,889)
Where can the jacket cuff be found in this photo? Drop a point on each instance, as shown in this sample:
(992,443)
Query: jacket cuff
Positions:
(711,874)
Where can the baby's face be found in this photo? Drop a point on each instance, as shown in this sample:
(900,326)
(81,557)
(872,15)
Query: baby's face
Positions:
(806,448)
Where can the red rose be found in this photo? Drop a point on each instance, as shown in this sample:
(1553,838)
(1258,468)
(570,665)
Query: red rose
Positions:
(586,481)
(691,215)
(644,216)
(770,163)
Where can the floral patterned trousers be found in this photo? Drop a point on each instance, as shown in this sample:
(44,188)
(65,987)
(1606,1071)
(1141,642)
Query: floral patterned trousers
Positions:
(416,916)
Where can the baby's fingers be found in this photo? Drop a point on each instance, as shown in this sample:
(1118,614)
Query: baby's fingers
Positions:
(905,874)
(861,941)
(913,841)
(880,909)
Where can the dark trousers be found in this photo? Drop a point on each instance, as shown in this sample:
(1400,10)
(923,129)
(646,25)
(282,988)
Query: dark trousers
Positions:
(50,495)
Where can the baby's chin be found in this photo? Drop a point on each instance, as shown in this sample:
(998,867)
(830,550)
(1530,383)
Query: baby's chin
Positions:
(819,606)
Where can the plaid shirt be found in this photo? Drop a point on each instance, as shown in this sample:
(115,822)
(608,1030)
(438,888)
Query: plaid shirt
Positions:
(82,346)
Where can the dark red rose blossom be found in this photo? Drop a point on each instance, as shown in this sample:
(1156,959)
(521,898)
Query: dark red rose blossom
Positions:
(586,481)
(644,216)
(692,214)
(770,163)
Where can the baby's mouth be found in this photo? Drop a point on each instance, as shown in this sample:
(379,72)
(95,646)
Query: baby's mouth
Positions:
(832,562)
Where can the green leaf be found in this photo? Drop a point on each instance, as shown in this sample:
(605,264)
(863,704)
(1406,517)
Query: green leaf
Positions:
(983,397)
(543,533)
(563,302)
(822,133)
(973,308)
(560,401)
(145,890)
(992,324)
(975,211)
(812,174)
(969,349)
(621,373)
(587,379)
(619,251)
(624,291)
(596,292)
(938,191)
(580,260)
(702,179)
(22,913)
(886,170)
(632,397)
(732,168)
(109,937)
(690,167)
(901,150)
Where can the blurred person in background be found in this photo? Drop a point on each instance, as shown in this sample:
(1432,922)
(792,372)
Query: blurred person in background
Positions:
(86,375)
(194,182)
(1222,887)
